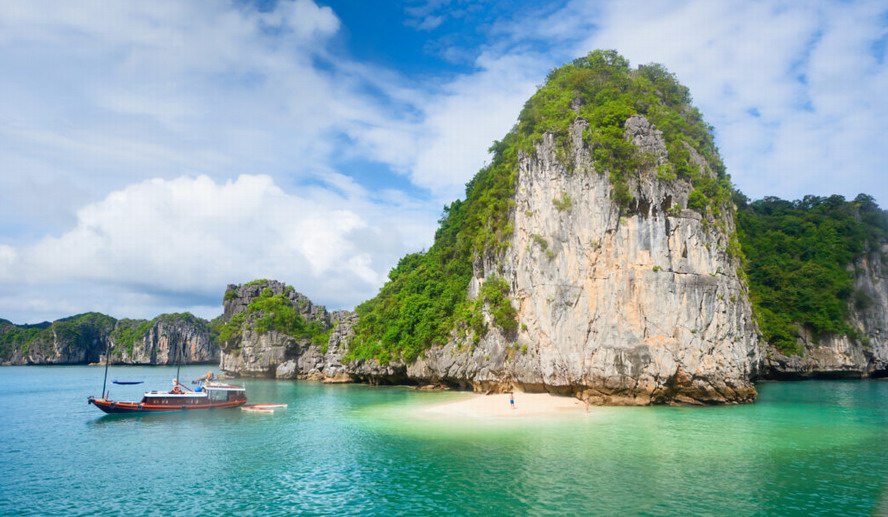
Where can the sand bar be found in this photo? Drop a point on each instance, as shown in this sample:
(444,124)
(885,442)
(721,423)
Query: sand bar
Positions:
(497,406)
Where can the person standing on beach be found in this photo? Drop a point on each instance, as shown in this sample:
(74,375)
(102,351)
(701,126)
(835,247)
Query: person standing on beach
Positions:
(512,400)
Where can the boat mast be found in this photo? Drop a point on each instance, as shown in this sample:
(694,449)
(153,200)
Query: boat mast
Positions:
(178,364)
(107,355)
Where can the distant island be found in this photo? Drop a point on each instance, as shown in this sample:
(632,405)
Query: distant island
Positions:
(603,254)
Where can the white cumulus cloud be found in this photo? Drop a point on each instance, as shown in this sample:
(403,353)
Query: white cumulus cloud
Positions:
(152,152)
(163,244)
(794,90)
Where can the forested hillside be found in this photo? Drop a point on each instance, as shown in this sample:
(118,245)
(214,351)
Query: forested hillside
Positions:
(799,257)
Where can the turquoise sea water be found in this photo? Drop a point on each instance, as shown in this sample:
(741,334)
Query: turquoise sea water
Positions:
(808,448)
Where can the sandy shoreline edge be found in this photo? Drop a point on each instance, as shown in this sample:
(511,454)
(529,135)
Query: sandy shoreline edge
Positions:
(497,406)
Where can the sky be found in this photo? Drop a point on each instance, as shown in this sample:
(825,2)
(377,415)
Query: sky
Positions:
(153,152)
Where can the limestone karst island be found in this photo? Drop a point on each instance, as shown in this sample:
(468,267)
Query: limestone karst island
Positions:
(602,254)
(602,257)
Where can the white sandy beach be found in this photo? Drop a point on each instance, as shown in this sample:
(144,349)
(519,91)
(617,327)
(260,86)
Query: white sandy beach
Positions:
(497,406)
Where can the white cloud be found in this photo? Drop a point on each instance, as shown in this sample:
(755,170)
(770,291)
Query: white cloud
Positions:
(447,144)
(188,237)
(7,256)
(792,89)
(122,124)
(465,119)
(102,94)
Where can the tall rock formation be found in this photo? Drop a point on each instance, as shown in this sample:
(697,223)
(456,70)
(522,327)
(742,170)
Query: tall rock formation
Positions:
(617,306)
(271,352)
(595,256)
(605,222)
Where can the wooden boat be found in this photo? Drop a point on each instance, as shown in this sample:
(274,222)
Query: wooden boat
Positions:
(209,395)
(120,381)
(213,395)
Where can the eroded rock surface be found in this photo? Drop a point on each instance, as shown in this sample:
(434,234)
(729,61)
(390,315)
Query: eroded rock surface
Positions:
(620,307)
(278,355)
(85,338)
(634,306)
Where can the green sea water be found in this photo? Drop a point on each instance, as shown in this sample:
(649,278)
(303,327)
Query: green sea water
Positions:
(807,448)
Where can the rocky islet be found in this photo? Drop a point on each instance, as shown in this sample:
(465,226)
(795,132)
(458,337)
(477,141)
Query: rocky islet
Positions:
(624,291)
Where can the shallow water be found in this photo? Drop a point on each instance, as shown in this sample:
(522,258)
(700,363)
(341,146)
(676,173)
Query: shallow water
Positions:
(808,448)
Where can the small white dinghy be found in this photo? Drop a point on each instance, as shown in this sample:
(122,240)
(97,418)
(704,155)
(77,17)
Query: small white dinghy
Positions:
(263,408)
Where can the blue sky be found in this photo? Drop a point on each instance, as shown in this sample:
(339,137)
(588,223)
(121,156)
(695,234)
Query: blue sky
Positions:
(153,152)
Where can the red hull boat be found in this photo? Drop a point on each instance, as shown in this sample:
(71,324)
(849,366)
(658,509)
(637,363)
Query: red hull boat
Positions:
(213,395)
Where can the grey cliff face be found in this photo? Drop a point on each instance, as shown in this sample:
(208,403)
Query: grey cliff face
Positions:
(870,313)
(84,348)
(85,339)
(313,363)
(638,305)
(277,355)
(845,356)
(634,307)
(274,354)
(171,339)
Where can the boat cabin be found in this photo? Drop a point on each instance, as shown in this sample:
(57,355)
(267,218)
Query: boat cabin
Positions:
(219,392)
(210,394)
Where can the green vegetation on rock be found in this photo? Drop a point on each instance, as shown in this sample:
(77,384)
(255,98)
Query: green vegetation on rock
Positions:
(419,304)
(83,325)
(18,337)
(126,333)
(563,202)
(798,256)
(79,331)
(604,91)
(272,312)
(426,297)
(495,295)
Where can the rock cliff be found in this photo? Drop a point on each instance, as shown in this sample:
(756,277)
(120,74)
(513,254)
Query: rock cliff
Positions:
(273,352)
(83,339)
(167,338)
(302,354)
(616,306)
(846,356)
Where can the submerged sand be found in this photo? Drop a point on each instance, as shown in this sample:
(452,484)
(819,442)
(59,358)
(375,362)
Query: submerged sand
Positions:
(497,406)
